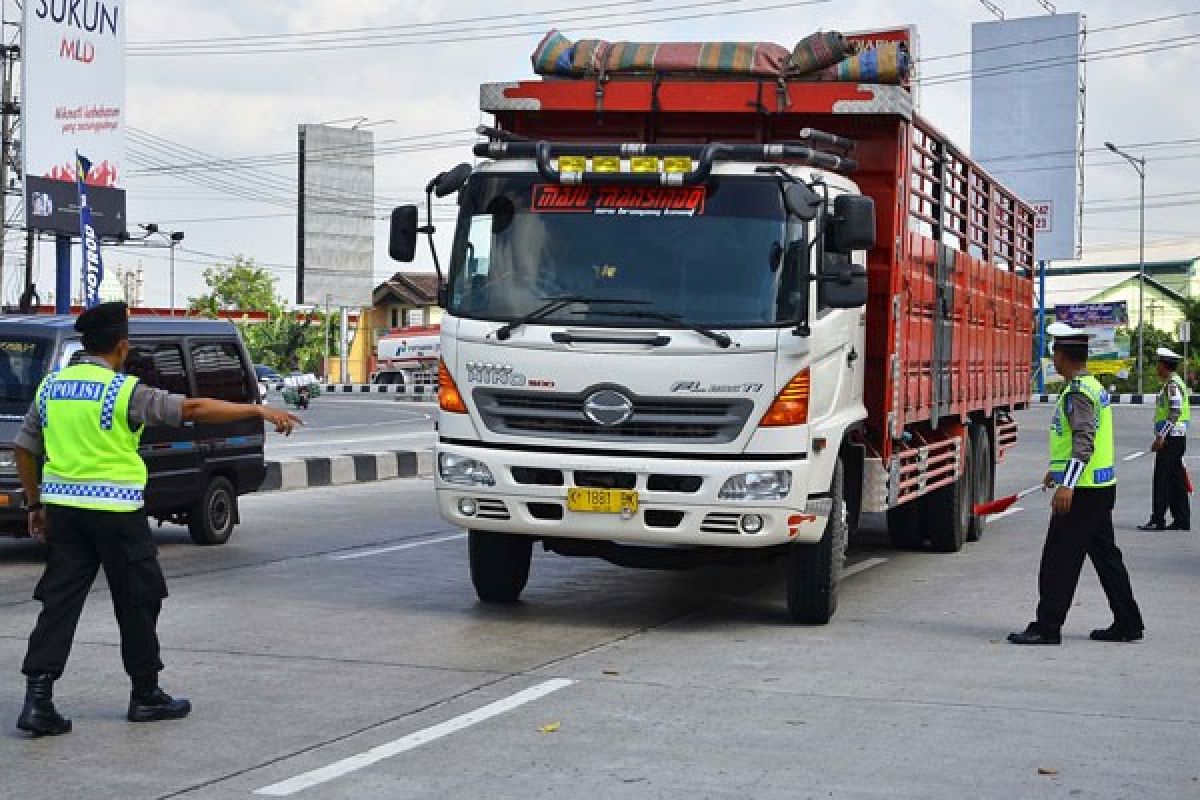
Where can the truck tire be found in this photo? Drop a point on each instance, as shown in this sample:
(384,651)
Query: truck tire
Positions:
(499,565)
(904,526)
(947,511)
(982,480)
(213,519)
(814,569)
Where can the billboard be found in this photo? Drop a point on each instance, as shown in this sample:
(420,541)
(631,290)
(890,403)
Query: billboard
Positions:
(73,100)
(336,236)
(1026,119)
(1107,322)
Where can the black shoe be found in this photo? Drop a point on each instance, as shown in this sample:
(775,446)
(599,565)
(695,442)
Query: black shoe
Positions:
(156,705)
(39,716)
(1114,634)
(1153,526)
(1032,635)
(1175,526)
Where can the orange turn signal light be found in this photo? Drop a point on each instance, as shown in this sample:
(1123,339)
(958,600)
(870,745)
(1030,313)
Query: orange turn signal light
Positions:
(791,405)
(449,398)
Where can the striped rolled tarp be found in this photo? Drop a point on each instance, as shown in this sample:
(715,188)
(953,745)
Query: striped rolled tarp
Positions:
(887,62)
(816,52)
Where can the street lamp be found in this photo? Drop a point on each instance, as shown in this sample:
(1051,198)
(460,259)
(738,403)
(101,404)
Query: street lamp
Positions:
(1139,165)
(173,238)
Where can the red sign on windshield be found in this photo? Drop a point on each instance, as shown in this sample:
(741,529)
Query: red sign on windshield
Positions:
(631,200)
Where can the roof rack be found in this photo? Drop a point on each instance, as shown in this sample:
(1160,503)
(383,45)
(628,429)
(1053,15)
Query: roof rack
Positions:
(706,155)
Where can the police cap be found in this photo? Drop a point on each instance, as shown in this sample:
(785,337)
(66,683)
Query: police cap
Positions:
(1168,357)
(1064,334)
(105,319)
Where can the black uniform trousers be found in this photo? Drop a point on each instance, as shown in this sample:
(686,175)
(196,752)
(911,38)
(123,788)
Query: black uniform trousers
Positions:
(1170,488)
(80,542)
(1086,530)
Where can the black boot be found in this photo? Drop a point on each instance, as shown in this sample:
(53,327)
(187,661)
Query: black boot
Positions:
(39,716)
(155,704)
(1153,525)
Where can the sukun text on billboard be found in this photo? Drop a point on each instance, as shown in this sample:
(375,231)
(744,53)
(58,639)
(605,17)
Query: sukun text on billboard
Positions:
(73,76)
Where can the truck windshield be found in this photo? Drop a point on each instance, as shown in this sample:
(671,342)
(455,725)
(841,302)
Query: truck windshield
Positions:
(707,255)
(22,367)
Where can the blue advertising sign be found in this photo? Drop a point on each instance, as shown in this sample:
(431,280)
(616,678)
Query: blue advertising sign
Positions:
(93,266)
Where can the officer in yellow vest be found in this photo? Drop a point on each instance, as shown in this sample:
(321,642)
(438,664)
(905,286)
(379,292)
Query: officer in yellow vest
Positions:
(1083,475)
(87,421)
(1172,414)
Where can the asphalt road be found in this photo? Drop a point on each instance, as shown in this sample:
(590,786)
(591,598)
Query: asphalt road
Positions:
(334,649)
(336,424)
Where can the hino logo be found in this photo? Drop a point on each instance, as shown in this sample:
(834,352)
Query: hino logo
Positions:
(696,387)
(608,408)
(494,374)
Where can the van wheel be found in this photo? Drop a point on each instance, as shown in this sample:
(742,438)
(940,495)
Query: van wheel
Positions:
(214,517)
(983,479)
(947,511)
(499,565)
(814,569)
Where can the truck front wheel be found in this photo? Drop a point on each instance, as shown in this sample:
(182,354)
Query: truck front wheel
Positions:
(814,569)
(499,565)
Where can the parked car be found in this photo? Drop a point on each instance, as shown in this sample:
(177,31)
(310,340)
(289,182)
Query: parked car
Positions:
(269,376)
(196,472)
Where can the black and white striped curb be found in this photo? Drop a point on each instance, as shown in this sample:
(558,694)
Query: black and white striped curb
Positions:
(306,473)
(1118,399)
(418,391)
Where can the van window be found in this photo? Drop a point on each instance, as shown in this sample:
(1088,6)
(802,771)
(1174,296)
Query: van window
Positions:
(22,367)
(158,365)
(219,371)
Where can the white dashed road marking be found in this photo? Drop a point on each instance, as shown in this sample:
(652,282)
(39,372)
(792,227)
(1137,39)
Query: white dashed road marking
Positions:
(1008,513)
(414,740)
(393,548)
(1132,456)
(863,566)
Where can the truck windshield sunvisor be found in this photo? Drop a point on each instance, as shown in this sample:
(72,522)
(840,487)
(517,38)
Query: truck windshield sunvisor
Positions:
(709,255)
(22,366)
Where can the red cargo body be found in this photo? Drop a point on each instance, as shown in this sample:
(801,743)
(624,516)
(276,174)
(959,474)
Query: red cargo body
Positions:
(949,320)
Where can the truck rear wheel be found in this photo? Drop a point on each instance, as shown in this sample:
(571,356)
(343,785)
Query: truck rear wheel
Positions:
(904,526)
(947,511)
(814,569)
(982,479)
(499,565)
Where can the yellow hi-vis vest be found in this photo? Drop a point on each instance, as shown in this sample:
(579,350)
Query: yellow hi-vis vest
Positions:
(1101,468)
(1162,408)
(92,458)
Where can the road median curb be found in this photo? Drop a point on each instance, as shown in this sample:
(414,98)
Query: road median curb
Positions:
(315,471)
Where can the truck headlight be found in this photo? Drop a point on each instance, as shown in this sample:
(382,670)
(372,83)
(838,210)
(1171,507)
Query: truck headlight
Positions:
(8,461)
(463,470)
(768,485)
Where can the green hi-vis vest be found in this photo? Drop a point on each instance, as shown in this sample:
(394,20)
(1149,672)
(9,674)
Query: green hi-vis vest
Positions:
(1100,469)
(92,458)
(1163,408)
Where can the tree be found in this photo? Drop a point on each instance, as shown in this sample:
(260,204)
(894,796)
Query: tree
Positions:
(240,286)
(285,340)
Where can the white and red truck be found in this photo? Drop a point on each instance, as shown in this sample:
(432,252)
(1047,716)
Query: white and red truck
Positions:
(714,320)
(408,356)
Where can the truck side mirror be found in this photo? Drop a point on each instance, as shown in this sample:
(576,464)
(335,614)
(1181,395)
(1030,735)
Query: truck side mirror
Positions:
(452,180)
(853,224)
(843,284)
(801,201)
(402,237)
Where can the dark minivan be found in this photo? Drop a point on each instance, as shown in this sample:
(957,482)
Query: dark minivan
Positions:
(198,471)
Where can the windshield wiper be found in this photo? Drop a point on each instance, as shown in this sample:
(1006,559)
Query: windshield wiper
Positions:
(723,340)
(553,304)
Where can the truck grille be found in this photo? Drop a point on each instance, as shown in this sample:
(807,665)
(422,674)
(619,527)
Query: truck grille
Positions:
(655,419)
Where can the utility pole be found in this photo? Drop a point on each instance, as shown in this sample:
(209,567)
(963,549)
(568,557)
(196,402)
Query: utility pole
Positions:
(8,112)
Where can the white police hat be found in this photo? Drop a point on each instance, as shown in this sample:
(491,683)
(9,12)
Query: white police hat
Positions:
(1065,334)
(1168,355)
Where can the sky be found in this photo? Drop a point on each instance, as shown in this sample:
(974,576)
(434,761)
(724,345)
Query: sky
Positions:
(420,97)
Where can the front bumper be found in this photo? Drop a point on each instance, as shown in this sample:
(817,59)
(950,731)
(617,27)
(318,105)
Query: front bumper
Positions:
(13,519)
(526,500)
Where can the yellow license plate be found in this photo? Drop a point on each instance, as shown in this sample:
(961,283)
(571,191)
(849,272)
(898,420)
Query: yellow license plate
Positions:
(602,501)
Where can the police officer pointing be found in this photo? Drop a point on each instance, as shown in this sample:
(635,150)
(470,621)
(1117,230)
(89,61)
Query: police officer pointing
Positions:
(1172,413)
(87,421)
(1083,476)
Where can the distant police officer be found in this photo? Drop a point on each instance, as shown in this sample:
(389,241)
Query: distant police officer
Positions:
(1172,414)
(1083,470)
(87,421)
